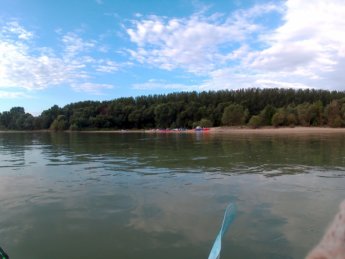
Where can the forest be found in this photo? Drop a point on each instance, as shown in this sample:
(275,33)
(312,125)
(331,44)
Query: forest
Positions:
(245,107)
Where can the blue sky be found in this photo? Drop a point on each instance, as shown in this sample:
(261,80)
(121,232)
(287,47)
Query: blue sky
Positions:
(58,52)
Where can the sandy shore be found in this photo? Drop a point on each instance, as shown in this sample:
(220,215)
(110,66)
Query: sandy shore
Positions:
(271,130)
(238,130)
(219,130)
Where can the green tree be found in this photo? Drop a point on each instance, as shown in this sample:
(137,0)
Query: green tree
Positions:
(279,118)
(305,107)
(304,114)
(204,123)
(333,113)
(266,114)
(28,122)
(5,119)
(59,123)
(291,119)
(234,115)
(164,115)
(317,113)
(48,116)
(136,118)
(255,121)
(17,117)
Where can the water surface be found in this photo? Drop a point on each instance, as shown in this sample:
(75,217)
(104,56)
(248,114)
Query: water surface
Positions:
(80,195)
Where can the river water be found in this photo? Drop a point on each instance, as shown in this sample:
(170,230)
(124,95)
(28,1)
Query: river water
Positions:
(127,195)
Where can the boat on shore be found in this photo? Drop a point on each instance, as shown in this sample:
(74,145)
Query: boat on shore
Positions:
(201,129)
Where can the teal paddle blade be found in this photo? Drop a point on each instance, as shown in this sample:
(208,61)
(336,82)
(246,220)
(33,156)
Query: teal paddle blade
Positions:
(229,217)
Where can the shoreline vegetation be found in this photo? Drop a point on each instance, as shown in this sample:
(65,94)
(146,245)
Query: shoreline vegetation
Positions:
(245,108)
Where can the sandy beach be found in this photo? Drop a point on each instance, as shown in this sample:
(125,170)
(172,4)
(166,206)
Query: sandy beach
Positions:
(217,130)
(283,130)
(236,131)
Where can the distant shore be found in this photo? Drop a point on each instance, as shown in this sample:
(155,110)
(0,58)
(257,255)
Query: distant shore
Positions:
(235,131)
(282,130)
(213,130)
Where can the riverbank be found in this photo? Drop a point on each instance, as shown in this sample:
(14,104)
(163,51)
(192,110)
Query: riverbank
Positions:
(236,131)
(214,130)
(284,130)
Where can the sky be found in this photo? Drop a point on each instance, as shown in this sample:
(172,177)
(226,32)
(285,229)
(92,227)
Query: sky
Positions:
(59,52)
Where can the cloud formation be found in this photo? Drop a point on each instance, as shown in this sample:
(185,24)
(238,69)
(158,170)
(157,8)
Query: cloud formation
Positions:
(12,95)
(308,46)
(197,44)
(153,84)
(25,65)
(107,66)
(290,44)
(305,49)
(91,88)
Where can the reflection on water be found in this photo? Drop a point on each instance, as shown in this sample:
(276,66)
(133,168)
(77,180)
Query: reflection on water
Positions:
(162,196)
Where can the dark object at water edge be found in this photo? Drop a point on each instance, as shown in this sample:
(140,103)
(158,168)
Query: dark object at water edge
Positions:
(3,254)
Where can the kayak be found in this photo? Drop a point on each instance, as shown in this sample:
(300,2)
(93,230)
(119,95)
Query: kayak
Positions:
(201,129)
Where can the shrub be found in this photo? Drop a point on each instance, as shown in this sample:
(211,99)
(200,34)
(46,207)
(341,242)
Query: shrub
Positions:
(255,122)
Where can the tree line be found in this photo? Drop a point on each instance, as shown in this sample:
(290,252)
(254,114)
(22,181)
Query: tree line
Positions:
(245,107)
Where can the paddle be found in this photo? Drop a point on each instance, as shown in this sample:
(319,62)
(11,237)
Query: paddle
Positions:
(3,255)
(229,217)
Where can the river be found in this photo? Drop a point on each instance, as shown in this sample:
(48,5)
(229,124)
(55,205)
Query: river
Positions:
(131,195)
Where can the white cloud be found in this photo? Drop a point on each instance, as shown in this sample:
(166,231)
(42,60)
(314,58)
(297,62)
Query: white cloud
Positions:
(16,29)
(25,65)
(107,66)
(237,78)
(19,68)
(192,43)
(91,88)
(305,50)
(309,45)
(153,84)
(12,95)
(75,45)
